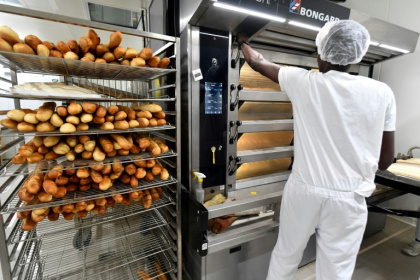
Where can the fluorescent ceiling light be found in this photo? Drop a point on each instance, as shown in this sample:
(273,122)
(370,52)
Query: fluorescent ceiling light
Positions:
(374,43)
(248,12)
(393,48)
(303,25)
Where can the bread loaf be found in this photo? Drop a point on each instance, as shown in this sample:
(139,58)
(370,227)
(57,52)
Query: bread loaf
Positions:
(71,55)
(164,62)
(73,46)
(115,40)
(138,61)
(32,41)
(44,127)
(85,43)
(26,127)
(146,53)
(42,50)
(130,53)
(69,128)
(9,123)
(101,50)
(9,35)
(57,54)
(5,46)
(119,52)
(62,47)
(23,48)
(153,108)
(91,34)
(154,61)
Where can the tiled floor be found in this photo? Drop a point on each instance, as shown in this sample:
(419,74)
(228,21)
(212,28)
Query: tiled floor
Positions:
(380,256)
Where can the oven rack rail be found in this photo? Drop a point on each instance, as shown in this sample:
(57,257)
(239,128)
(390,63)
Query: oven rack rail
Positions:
(14,204)
(105,256)
(35,64)
(46,228)
(128,272)
(26,168)
(91,131)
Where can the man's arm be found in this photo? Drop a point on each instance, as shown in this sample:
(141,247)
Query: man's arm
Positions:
(257,61)
(387,150)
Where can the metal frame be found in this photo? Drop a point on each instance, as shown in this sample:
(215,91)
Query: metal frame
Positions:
(173,197)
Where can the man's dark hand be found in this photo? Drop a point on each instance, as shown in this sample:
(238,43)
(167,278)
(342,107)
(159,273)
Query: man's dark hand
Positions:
(220,224)
(241,37)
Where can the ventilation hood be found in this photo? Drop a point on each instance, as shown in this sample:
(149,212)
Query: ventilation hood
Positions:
(388,40)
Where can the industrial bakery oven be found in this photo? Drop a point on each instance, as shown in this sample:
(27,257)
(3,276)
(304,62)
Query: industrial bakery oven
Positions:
(54,231)
(237,126)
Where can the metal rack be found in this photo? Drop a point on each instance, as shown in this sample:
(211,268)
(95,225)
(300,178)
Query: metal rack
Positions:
(132,237)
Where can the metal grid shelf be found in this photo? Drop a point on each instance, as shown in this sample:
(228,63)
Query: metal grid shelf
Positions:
(127,272)
(76,98)
(47,228)
(109,248)
(11,169)
(14,204)
(58,66)
(91,131)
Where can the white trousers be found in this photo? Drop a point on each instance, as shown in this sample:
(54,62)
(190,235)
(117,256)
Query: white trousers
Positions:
(337,218)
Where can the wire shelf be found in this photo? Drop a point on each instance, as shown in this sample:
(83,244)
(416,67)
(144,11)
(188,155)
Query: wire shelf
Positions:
(14,204)
(47,228)
(75,98)
(26,168)
(58,66)
(127,272)
(109,250)
(92,130)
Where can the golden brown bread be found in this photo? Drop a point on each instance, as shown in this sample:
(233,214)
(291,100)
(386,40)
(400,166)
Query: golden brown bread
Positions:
(42,50)
(50,141)
(85,43)
(71,55)
(130,53)
(74,108)
(51,155)
(35,157)
(82,127)
(73,119)
(161,122)
(71,141)
(121,125)
(61,192)
(44,127)
(68,128)
(115,40)
(26,127)
(28,224)
(89,107)
(4,46)
(101,50)
(56,120)
(120,115)
(153,122)
(79,148)
(138,61)
(164,62)
(9,123)
(16,115)
(108,57)
(146,53)
(73,46)
(62,47)
(91,34)
(61,148)
(125,62)
(32,41)
(23,48)
(153,108)
(89,56)
(62,111)
(9,35)
(154,61)
(101,112)
(119,52)
(54,53)
(49,45)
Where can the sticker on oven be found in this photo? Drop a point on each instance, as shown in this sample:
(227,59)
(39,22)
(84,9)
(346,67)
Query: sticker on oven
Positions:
(197,74)
(204,247)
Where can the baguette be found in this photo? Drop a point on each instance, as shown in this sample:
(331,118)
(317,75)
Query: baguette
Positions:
(96,40)
(9,35)
(113,109)
(107,126)
(154,194)
(98,154)
(115,40)
(86,118)
(122,141)
(62,111)
(154,148)
(18,159)
(50,141)
(49,45)
(153,108)
(121,125)
(23,48)
(73,46)
(109,118)
(4,46)
(123,152)
(147,199)
(9,123)
(82,127)
(146,53)
(28,224)
(134,182)
(16,115)
(140,173)
(96,176)
(89,108)
(164,148)
(25,127)
(105,143)
(144,114)
(61,192)
(164,62)
(44,127)
(35,157)
(71,141)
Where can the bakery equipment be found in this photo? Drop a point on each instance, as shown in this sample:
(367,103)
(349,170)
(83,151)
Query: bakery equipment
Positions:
(126,239)
(250,131)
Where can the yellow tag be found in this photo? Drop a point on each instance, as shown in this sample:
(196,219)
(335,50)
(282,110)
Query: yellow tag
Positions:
(213,149)
(254,193)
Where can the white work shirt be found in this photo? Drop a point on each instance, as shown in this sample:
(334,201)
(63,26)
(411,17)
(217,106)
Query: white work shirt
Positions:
(339,120)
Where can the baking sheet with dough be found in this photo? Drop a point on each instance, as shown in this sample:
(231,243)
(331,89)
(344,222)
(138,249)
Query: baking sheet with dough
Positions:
(405,169)
(262,140)
(252,169)
(251,79)
(265,111)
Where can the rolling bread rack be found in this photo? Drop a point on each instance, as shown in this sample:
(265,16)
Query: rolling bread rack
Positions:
(126,239)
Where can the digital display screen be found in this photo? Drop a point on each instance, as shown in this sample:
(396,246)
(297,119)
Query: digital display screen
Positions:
(213,98)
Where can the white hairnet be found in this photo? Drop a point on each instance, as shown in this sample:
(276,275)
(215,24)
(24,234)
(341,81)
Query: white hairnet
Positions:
(342,42)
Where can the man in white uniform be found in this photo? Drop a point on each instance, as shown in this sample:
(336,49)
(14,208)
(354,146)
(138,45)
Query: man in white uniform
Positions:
(344,130)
